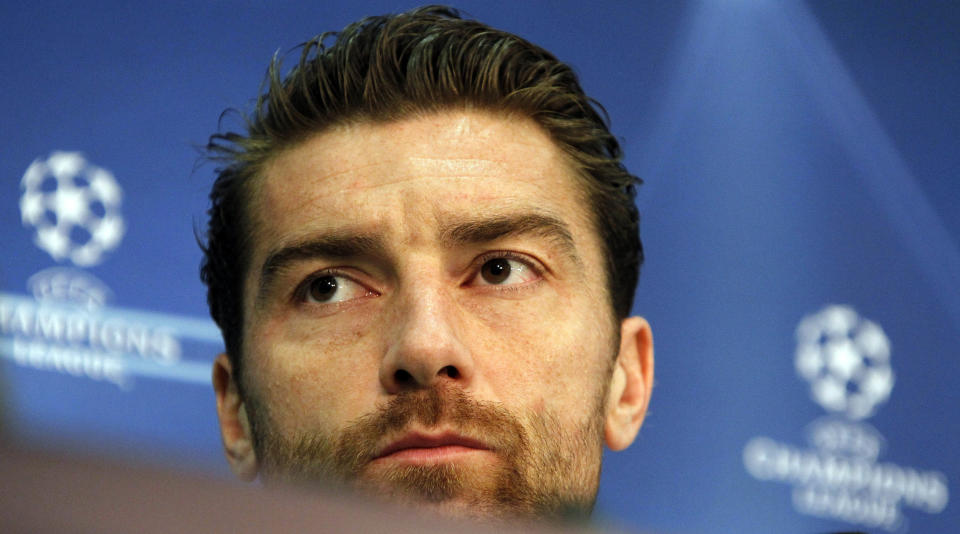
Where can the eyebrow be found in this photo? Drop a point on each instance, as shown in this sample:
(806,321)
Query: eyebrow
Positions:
(486,229)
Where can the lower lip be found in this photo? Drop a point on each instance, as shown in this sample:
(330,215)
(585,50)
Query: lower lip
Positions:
(426,455)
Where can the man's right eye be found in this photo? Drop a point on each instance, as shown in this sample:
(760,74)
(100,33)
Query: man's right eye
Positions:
(331,288)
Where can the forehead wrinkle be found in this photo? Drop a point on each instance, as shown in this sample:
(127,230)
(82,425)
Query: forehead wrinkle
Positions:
(317,188)
(422,168)
(458,166)
(386,183)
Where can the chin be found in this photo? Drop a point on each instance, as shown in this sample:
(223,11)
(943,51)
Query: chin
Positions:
(462,509)
(485,500)
(448,491)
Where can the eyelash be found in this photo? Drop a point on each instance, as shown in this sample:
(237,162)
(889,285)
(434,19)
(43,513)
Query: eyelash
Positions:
(300,292)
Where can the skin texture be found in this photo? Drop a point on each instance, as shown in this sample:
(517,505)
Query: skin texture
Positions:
(503,386)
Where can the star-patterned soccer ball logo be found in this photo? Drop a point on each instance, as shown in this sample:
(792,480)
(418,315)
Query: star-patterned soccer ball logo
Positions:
(73,206)
(846,359)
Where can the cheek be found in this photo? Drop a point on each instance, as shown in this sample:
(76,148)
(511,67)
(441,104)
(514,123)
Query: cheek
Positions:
(311,377)
(551,355)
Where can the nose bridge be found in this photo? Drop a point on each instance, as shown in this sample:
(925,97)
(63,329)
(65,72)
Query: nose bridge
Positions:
(425,345)
(423,315)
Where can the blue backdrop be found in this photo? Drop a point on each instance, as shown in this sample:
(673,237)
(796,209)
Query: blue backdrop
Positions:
(799,216)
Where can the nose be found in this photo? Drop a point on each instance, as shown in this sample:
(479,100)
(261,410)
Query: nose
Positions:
(425,347)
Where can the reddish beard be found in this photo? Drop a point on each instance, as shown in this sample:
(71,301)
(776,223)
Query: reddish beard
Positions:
(542,470)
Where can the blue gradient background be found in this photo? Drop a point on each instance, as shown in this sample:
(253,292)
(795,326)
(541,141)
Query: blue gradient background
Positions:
(795,155)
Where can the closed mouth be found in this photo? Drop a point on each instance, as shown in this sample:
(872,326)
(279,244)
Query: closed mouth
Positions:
(420,445)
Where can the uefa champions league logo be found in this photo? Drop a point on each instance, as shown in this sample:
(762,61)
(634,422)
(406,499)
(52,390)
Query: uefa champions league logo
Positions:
(73,206)
(846,359)
(67,325)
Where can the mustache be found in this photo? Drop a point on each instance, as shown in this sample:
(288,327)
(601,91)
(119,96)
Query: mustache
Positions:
(450,407)
(345,456)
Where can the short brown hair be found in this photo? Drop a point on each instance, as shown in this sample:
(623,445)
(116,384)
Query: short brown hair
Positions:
(390,67)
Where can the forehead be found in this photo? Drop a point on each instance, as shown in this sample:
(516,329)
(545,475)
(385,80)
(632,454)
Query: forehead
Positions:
(404,176)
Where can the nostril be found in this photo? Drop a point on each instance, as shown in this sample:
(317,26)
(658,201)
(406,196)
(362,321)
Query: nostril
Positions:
(403,377)
(450,371)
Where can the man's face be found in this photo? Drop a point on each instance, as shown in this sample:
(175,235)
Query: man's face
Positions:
(426,318)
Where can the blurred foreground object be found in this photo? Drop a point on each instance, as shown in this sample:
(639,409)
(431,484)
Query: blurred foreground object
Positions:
(44,492)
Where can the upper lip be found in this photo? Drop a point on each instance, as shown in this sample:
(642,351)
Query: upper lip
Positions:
(419,440)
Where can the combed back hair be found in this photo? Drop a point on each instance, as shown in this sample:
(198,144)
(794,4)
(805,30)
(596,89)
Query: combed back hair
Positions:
(395,66)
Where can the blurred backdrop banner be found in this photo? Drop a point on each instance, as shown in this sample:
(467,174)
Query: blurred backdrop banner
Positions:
(799,217)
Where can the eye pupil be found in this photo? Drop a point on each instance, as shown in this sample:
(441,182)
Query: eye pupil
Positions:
(496,271)
(323,289)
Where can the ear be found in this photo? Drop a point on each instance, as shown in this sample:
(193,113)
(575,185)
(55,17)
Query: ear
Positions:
(234,424)
(630,384)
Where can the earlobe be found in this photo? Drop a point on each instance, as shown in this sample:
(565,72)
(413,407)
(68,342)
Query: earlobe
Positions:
(630,385)
(234,424)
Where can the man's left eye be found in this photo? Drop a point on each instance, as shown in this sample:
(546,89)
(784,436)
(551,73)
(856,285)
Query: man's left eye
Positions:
(502,271)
